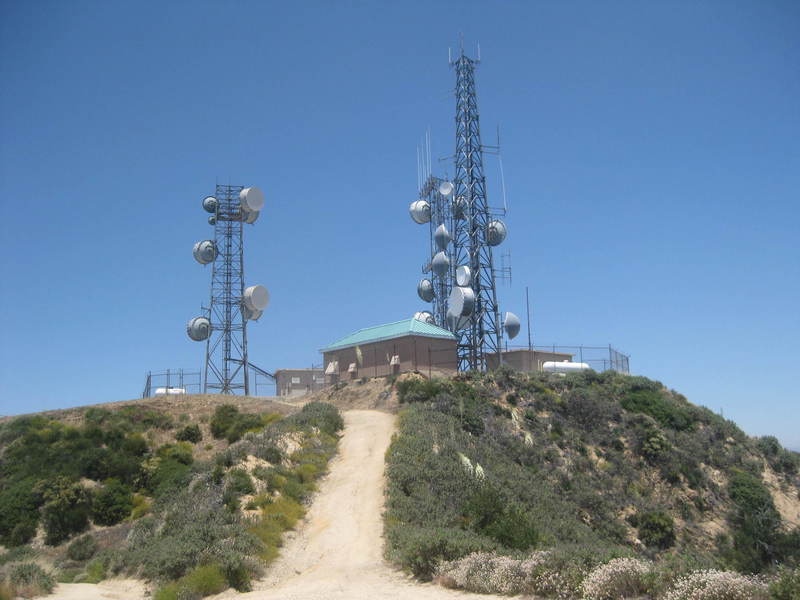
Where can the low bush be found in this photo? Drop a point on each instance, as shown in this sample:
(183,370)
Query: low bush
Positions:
(228,423)
(199,583)
(618,578)
(240,483)
(82,548)
(30,580)
(664,410)
(786,585)
(421,549)
(66,510)
(112,503)
(656,529)
(718,585)
(489,573)
(190,433)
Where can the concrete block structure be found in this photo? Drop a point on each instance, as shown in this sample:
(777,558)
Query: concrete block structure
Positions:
(298,382)
(394,348)
(526,361)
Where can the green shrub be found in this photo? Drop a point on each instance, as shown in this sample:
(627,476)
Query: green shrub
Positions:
(96,570)
(656,530)
(420,549)
(31,580)
(82,548)
(223,419)
(415,389)
(756,522)
(786,585)
(141,507)
(112,503)
(66,510)
(190,433)
(319,414)
(204,581)
(180,452)
(666,411)
(240,483)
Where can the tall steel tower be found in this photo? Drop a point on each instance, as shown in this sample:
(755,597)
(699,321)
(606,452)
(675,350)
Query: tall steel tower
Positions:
(232,305)
(474,233)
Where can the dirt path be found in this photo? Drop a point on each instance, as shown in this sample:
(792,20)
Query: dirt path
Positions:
(337,551)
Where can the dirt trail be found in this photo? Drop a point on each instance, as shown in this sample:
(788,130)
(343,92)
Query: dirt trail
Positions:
(337,551)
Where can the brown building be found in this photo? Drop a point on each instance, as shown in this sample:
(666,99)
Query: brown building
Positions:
(298,382)
(409,345)
(526,361)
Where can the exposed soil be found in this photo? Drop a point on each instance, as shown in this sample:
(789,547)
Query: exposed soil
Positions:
(337,550)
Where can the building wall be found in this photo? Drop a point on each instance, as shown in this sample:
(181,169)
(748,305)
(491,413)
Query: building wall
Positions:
(526,361)
(417,353)
(298,382)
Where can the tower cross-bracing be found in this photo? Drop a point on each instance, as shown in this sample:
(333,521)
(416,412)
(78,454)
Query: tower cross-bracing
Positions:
(480,333)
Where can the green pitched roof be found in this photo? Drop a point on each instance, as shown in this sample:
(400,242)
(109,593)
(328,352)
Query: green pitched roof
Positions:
(390,331)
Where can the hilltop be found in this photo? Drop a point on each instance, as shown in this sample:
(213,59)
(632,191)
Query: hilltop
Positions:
(495,483)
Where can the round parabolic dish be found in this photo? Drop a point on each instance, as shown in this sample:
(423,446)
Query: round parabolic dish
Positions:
(511,325)
(455,322)
(442,237)
(496,232)
(212,220)
(198,329)
(252,198)
(440,264)
(425,316)
(425,290)
(256,297)
(420,211)
(463,276)
(210,204)
(251,315)
(461,301)
(445,188)
(249,216)
(205,252)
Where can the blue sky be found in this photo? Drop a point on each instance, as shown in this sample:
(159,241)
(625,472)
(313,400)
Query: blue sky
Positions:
(651,154)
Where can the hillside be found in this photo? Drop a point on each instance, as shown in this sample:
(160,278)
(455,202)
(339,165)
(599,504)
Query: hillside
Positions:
(187,494)
(498,483)
(589,467)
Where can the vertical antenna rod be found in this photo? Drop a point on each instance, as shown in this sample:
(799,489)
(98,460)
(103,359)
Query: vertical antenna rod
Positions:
(528,307)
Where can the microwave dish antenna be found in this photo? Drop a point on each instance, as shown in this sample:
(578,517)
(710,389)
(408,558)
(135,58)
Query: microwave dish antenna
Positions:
(210,204)
(198,329)
(445,188)
(205,252)
(496,232)
(252,199)
(440,264)
(511,325)
(420,211)
(463,276)
(256,297)
(442,237)
(425,290)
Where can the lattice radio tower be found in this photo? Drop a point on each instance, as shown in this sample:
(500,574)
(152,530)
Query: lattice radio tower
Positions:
(474,230)
(462,286)
(224,324)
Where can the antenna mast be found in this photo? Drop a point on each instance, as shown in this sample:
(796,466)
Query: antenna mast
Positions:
(475,232)
(224,324)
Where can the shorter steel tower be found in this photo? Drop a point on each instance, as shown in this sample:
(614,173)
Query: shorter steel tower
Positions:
(232,305)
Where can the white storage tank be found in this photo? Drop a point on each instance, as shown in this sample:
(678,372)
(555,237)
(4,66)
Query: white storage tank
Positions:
(552,366)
